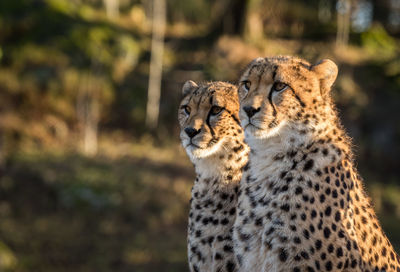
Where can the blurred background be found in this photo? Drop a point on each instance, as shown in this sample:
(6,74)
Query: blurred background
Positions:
(92,175)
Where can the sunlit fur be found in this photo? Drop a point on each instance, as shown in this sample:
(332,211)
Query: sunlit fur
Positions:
(219,154)
(302,206)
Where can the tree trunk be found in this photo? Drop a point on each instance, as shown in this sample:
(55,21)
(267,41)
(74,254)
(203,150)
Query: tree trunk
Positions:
(88,112)
(155,75)
(343,8)
(91,122)
(88,107)
(253,23)
(112,8)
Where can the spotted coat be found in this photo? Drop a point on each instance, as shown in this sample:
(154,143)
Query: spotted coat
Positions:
(214,141)
(302,206)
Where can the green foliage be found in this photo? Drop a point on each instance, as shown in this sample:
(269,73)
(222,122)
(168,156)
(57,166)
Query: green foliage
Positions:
(55,53)
(7,258)
(378,41)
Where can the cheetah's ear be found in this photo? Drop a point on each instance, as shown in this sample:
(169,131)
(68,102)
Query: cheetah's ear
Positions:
(188,87)
(326,71)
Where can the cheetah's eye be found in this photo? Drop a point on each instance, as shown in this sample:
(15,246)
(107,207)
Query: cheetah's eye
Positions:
(215,110)
(246,85)
(279,87)
(186,109)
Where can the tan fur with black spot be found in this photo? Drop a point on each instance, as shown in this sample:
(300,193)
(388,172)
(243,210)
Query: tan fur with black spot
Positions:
(302,206)
(214,141)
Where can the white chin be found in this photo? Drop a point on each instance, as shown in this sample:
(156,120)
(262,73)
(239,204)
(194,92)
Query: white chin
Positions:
(257,133)
(200,153)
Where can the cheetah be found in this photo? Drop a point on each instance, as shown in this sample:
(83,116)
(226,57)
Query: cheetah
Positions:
(214,141)
(301,202)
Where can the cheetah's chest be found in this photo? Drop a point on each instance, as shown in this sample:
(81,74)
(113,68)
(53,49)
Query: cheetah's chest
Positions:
(285,207)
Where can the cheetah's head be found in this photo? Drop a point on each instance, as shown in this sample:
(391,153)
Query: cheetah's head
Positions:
(208,116)
(281,91)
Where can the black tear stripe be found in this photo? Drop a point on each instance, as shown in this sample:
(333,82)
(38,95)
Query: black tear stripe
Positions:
(298,98)
(274,113)
(208,119)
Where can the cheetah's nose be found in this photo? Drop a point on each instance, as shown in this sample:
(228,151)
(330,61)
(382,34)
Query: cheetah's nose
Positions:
(250,111)
(191,132)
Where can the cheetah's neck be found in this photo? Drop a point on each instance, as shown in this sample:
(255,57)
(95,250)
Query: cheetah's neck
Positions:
(224,167)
